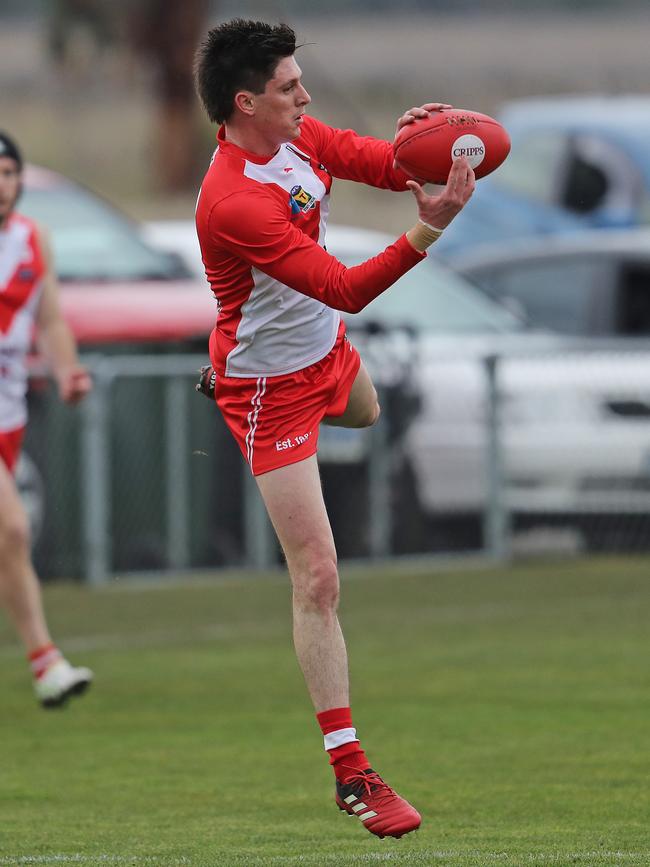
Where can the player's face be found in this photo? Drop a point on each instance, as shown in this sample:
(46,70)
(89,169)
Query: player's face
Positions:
(9,186)
(279,110)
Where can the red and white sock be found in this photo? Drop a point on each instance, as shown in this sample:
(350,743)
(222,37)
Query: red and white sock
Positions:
(43,658)
(341,742)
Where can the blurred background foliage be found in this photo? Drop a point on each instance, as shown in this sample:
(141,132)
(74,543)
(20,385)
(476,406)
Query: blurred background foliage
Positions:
(102,89)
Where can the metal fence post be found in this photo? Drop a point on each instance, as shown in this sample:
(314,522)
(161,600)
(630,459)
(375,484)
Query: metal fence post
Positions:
(96,475)
(259,535)
(496,516)
(178,489)
(379,493)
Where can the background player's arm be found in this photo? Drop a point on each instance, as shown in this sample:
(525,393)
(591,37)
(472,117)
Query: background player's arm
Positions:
(54,337)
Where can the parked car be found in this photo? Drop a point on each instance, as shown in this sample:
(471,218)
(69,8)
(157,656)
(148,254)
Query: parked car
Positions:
(577,162)
(569,451)
(116,288)
(119,294)
(589,284)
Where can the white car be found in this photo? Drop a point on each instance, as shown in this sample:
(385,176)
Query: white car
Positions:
(572,444)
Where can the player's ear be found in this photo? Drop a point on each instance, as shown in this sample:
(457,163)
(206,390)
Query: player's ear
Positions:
(245,102)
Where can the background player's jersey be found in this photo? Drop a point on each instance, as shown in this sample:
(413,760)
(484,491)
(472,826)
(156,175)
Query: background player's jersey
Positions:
(261,223)
(22,269)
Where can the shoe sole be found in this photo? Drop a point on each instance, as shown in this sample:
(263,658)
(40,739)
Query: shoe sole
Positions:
(61,700)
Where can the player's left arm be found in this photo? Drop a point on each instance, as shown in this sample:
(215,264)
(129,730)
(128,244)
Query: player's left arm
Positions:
(54,337)
(364,159)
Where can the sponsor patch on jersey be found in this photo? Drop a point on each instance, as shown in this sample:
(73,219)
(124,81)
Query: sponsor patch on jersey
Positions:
(300,200)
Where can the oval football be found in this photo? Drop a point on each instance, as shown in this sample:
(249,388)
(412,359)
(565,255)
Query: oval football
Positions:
(426,148)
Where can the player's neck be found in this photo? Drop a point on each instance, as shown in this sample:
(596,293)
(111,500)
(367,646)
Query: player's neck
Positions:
(251,140)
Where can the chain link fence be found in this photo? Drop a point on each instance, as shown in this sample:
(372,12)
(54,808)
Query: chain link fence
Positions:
(494,454)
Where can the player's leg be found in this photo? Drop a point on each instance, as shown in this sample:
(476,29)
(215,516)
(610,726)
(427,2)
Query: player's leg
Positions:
(362,409)
(20,597)
(20,593)
(294,500)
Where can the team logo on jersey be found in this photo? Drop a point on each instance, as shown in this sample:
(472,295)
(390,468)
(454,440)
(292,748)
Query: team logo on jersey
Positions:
(300,200)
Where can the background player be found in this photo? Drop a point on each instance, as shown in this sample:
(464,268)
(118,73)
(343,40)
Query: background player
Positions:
(279,351)
(28,297)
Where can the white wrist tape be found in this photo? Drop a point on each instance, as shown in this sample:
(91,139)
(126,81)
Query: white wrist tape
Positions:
(422,235)
(433,228)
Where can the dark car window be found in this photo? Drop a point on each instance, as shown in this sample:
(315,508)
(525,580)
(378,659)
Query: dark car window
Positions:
(91,241)
(533,164)
(634,301)
(558,295)
(585,185)
(598,174)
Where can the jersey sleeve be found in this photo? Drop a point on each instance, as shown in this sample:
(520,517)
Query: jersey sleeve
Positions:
(260,233)
(352,157)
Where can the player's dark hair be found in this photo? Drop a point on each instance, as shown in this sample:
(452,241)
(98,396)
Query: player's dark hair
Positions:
(238,55)
(9,148)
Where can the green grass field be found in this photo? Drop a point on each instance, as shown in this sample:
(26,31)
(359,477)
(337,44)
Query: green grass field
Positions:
(511,706)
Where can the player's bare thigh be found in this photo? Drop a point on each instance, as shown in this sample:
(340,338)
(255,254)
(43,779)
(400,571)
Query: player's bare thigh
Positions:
(294,500)
(363,408)
(12,513)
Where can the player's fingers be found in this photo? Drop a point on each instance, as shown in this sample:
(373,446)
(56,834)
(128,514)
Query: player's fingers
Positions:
(458,173)
(453,177)
(435,106)
(417,190)
(78,384)
(413,114)
(405,120)
(466,180)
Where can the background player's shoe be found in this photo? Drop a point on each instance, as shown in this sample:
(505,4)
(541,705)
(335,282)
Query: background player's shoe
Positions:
(60,681)
(381,810)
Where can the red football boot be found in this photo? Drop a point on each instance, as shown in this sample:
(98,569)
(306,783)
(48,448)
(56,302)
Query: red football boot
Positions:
(381,810)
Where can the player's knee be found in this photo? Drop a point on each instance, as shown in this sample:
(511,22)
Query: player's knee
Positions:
(14,535)
(376,412)
(318,587)
(370,415)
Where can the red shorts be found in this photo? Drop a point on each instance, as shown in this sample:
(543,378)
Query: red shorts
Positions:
(275,419)
(10,443)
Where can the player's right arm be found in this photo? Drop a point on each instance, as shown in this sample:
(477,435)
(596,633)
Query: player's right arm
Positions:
(256,229)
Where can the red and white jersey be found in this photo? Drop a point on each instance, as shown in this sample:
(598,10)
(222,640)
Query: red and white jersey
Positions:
(22,269)
(261,223)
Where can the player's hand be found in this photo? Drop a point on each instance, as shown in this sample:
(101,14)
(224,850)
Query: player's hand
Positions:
(74,383)
(207,380)
(440,210)
(418,111)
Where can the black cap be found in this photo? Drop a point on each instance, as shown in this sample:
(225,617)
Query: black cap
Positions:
(8,148)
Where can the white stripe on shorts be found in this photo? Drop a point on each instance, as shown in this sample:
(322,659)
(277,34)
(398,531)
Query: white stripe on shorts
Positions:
(256,403)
